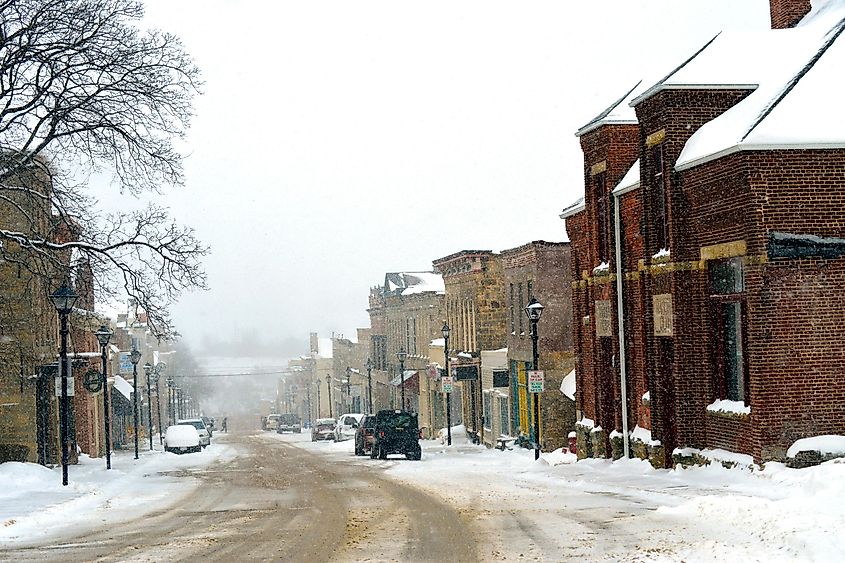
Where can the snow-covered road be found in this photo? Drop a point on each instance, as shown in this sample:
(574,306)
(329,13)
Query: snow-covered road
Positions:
(626,510)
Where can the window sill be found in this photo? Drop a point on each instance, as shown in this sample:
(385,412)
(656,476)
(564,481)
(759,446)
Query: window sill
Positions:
(738,416)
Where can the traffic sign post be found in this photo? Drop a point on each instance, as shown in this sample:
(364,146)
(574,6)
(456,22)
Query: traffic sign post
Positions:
(446,382)
(536,381)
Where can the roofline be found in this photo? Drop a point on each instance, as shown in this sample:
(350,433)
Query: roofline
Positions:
(589,128)
(758,147)
(572,210)
(622,190)
(459,254)
(598,120)
(661,87)
(522,247)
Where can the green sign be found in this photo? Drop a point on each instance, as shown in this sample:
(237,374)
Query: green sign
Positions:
(92,381)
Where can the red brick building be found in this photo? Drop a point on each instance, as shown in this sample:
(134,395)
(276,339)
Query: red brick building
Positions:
(723,184)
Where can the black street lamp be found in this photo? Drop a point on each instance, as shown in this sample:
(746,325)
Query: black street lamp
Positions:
(135,357)
(103,335)
(317,383)
(534,310)
(349,387)
(148,370)
(401,355)
(159,369)
(63,299)
(370,385)
(170,394)
(445,330)
(329,385)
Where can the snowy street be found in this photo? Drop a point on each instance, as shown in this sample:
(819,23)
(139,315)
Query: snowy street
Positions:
(281,497)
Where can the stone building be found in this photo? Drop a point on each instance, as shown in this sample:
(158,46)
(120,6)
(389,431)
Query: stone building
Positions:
(476,314)
(539,270)
(406,313)
(730,228)
(28,329)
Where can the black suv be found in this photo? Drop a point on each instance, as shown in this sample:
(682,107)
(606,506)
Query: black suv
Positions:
(396,432)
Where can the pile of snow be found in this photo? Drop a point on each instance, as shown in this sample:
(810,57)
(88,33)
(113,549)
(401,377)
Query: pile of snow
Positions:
(728,406)
(828,444)
(558,457)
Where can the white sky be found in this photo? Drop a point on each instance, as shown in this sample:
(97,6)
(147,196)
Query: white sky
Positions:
(336,141)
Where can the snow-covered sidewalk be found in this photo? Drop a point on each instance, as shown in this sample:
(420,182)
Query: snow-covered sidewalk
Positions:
(34,505)
(627,510)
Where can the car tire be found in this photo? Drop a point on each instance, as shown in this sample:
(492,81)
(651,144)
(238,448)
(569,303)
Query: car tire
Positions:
(414,455)
(382,453)
(373,452)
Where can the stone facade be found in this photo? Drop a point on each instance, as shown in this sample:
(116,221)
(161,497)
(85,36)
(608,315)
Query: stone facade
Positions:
(540,270)
(477,316)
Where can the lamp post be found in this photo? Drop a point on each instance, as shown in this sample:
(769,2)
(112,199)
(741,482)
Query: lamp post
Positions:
(317,383)
(63,299)
(370,385)
(349,387)
(534,310)
(169,383)
(103,335)
(445,330)
(401,355)
(148,370)
(329,385)
(135,357)
(159,369)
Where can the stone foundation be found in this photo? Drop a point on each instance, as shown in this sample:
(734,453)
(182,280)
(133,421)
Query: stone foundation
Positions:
(598,438)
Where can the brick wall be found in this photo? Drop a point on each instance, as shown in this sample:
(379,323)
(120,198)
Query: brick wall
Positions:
(786,13)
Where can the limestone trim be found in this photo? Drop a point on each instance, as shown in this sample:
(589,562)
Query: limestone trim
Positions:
(598,168)
(724,250)
(655,138)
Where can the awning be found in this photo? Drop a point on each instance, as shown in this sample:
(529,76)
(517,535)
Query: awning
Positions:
(397,381)
(123,386)
(567,386)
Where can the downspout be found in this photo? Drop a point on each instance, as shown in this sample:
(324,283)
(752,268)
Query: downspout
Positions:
(620,317)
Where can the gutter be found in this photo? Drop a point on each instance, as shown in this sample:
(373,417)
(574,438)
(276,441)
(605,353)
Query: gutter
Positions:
(620,317)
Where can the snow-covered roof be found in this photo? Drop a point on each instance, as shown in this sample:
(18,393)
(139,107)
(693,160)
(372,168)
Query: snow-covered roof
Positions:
(408,373)
(575,207)
(123,386)
(619,112)
(410,283)
(630,181)
(794,78)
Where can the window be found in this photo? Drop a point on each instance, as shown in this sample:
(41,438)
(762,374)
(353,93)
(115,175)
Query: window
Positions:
(602,216)
(488,411)
(521,307)
(660,205)
(504,418)
(727,305)
(530,289)
(512,307)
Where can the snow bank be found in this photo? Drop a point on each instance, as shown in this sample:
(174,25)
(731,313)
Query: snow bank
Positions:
(827,444)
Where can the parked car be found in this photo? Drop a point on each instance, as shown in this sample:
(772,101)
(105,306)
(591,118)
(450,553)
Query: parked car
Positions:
(396,432)
(182,438)
(364,435)
(323,429)
(272,422)
(289,423)
(209,425)
(346,425)
(205,438)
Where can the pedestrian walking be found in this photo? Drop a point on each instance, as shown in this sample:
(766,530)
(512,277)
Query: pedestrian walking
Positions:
(225,425)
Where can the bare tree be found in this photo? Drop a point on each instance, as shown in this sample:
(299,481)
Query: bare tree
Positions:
(84,89)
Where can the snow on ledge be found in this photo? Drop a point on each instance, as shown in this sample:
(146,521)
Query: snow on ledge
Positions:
(718,455)
(662,253)
(728,406)
(827,444)
(567,385)
(602,268)
(586,422)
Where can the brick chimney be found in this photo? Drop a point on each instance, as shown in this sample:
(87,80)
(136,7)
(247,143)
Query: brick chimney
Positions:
(787,13)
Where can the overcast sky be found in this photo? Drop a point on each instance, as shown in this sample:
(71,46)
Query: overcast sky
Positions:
(336,141)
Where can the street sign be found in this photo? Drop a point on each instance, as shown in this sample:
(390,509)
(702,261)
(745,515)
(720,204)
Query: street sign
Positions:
(446,382)
(69,386)
(536,381)
(125,363)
